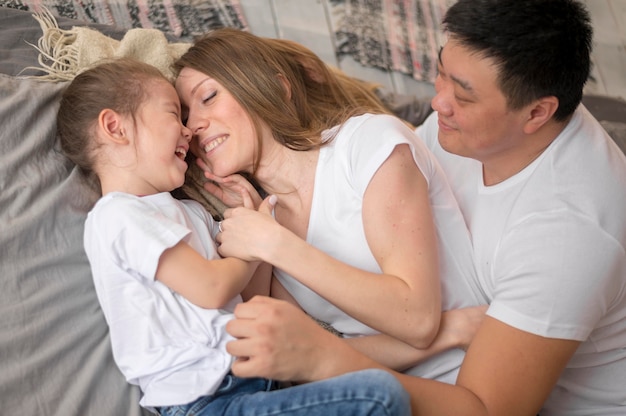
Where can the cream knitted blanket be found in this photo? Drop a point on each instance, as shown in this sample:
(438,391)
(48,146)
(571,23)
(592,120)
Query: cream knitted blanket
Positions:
(65,53)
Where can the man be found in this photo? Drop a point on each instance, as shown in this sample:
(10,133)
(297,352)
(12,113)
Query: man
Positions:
(543,191)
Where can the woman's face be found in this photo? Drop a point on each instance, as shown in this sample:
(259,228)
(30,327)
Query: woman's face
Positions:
(223,133)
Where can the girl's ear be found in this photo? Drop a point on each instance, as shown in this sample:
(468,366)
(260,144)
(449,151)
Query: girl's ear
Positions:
(111,124)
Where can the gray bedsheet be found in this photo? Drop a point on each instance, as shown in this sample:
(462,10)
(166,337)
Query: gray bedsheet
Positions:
(55,356)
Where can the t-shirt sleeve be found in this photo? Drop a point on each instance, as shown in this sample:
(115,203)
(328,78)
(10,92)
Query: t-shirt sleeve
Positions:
(203,215)
(556,275)
(136,233)
(372,143)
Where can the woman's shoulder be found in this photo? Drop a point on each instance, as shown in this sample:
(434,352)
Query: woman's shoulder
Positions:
(374,126)
(369,120)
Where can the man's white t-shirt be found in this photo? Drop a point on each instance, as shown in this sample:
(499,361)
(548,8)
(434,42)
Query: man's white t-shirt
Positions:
(345,168)
(549,245)
(173,350)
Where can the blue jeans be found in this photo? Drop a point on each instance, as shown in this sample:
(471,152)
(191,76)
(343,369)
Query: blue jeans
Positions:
(367,392)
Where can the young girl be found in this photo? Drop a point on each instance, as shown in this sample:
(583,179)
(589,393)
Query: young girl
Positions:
(165,292)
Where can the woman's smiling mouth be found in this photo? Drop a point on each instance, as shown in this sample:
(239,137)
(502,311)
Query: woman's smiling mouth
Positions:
(214,143)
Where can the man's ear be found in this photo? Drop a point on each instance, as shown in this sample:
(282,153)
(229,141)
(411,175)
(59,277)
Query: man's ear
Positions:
(111,124)
(541,112)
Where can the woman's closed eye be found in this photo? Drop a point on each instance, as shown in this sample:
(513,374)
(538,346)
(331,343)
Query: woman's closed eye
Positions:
(209,97)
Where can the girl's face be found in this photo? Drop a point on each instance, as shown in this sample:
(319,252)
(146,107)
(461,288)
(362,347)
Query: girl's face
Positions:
(223,132)
(161,140)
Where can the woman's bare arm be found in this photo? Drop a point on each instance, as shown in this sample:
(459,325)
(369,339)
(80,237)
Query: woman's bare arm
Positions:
(457,330)
(404,301)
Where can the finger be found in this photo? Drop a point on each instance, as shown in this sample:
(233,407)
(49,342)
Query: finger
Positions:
(268,204)
(203,165)
(253,367)
(241,328)
(247,199)
(219,179)
(255,307)
(228,213)
(237,178)
(212,188)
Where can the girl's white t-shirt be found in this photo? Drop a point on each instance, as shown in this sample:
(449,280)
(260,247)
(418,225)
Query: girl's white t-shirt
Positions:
(172,349)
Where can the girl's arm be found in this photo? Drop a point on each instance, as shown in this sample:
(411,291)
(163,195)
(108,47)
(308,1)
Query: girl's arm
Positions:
(213,283)
(404,301)
(209,284)
(260,282)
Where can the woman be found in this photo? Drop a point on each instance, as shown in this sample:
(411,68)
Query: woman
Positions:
(165,292)
(364,223)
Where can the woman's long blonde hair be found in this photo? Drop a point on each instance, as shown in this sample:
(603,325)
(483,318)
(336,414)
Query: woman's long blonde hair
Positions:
(256,70)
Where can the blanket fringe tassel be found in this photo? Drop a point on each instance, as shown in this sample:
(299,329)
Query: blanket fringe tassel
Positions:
(58,56)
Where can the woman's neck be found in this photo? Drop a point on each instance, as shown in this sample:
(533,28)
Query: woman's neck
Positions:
(284,171)
(290,175)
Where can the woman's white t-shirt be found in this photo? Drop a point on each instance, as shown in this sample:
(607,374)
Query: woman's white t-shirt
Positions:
(345,168)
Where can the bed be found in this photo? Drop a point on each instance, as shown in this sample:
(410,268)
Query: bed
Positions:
(55,357)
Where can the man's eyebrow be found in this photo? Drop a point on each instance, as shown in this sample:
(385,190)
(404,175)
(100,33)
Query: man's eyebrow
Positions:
(463,84)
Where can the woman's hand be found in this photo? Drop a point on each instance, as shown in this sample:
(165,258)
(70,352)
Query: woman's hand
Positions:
(229,189)
(458,326)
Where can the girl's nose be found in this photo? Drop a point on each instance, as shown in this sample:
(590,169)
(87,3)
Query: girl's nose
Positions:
(187,134)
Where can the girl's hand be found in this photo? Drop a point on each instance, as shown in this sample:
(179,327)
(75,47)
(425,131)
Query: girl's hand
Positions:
(229,189)
(249,234)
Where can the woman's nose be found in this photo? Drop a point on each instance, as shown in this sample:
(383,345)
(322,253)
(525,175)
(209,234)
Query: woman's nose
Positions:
(196,124)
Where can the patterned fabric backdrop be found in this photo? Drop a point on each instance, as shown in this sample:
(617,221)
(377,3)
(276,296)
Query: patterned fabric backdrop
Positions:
(397,35)
(183,19)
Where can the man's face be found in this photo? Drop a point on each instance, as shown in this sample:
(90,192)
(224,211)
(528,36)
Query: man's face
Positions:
(474,119)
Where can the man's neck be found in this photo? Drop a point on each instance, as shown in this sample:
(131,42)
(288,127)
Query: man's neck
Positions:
(510,162)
